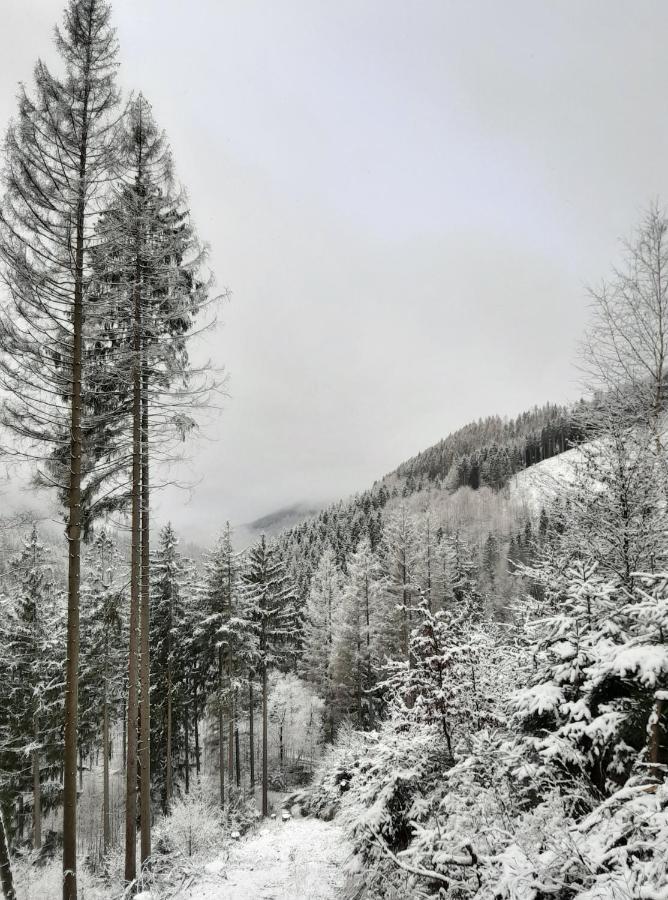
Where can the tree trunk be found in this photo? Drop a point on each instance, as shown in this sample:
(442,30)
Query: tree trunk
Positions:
(251,735)
(144,675)
(196,727)
(6,880)
(36,803)
(125,730)
(186,725)
(221,730)
(230,746)
(236,754)
(20,817)
(135,578)
(74,557)
(657,750)
(265,730)
(106,825)
(168,755)
(368,650)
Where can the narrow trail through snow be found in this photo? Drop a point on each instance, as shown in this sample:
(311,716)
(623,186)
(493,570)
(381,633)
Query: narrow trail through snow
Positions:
(298,860)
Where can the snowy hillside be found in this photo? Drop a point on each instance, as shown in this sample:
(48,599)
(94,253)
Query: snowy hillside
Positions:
(540,483)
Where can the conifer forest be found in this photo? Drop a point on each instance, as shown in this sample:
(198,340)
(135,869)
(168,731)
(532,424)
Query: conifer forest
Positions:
(449,680)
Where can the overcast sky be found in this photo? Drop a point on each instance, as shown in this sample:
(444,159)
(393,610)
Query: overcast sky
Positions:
(406,199)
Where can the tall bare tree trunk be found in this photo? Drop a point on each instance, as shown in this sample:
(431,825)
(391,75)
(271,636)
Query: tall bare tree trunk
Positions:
(221,730)
(168,759)
(36,802)
(135,578)
(657,746)
(196,726)
(230,745)
(106,824)
(236,754)
(6,880)
(186,728)
(20,817)
(145,672)
(367,618)
(125,730)
(265,731)
(251,734)
(74,542)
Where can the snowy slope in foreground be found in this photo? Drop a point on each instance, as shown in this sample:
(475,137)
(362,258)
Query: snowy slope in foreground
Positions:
(299,860)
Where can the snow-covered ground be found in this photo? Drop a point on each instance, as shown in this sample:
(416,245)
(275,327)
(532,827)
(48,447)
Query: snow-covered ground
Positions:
(298,860)
(545,480)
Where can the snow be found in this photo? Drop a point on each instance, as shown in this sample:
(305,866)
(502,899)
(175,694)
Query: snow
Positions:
(647,663)
(545,480)
(298,860)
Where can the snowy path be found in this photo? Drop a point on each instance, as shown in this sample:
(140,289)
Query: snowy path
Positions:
(299,860)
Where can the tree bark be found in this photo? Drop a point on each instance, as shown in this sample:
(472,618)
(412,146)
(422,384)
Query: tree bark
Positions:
(230,745)
(221,730)
(251,735)
(186,724)
(196,727)
(168,755)
(125,730)
(236,754)
(6,880)
(135,577)
(36,802)
(368,648)
(74,542)
(265,731)
(106,824)
(145,676)
(657,750)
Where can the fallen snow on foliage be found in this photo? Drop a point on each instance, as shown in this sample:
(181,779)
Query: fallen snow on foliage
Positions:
(648,663)
(298,860)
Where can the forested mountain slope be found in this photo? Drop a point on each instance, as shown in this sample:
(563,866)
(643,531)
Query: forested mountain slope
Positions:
(460,486)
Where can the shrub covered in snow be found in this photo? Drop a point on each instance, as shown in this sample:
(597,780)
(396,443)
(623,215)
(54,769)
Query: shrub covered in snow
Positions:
(194,823)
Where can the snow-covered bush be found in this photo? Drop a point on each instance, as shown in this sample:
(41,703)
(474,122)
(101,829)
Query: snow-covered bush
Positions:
(194,823)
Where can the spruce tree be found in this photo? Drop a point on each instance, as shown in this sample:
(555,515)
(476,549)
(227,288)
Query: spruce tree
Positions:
(57,161)
(172,592)
(227,641)
(269,605)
